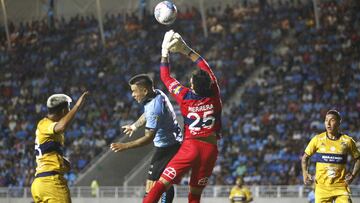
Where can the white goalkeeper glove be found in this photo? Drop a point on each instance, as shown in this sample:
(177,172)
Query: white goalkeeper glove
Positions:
(166,43)
(178,45)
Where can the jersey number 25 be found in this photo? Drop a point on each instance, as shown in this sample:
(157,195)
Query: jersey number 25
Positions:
(207,121)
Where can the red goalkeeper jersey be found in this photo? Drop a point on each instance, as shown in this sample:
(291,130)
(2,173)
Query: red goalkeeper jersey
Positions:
(202,115)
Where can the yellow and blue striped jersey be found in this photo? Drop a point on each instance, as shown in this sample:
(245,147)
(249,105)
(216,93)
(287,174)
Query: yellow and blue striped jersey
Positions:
(331,157)
(48,148)
(240,195)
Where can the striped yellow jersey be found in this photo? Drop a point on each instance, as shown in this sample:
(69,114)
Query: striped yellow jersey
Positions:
(240,195)
(331,157)
(48,148)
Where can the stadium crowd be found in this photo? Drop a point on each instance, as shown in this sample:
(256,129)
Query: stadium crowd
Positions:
(306,71)
(66,59)
(309,72)
(70,58)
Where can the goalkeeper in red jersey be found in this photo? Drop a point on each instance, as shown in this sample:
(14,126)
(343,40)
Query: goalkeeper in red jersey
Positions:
(201,109)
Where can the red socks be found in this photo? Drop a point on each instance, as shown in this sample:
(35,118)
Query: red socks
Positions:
(194,198)
(155,193)
(159,188)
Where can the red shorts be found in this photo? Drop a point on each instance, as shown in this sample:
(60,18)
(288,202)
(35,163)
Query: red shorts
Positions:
(196,155)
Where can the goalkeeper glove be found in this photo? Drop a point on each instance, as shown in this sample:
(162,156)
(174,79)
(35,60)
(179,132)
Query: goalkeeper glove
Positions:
(166,43)
(177,44)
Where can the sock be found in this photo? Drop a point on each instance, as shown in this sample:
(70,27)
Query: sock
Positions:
(155,193)
(194,198)
(168,196)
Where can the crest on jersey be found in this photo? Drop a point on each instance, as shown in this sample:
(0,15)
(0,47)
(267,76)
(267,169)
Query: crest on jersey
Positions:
(170,173)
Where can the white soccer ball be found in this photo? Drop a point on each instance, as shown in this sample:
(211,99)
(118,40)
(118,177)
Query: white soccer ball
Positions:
(165,12)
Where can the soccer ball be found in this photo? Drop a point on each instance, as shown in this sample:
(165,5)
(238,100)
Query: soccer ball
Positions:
(165,12)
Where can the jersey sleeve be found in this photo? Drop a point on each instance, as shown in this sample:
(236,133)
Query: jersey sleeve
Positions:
(311,147)
(46,127)
(203,65)
(248,194)
(177,90)
(231,194)
(152,114)
(354,151)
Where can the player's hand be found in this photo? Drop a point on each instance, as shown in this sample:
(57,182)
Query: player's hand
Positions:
(166,43)
(349,178)
(307,179)
(82,99)
(178,45)
(117,147)
(129,129)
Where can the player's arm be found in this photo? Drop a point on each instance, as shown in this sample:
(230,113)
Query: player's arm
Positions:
(179,45)
(142,141)
(171,84)
(176,89)
(64,122)
(151,116)
(231,196)
(249,197)
(140,121)
(165,74)
(203,65)
(309,151)
(356,155)
(305,169)
(130,129)
(356,168)
(355,171)
(165,67)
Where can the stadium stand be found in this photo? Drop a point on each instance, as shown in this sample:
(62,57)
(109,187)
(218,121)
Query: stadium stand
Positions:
(70,58)
(306,71)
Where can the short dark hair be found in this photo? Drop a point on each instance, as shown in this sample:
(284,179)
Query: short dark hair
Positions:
(335,113)
(202,83)
(143,80)
(57,109)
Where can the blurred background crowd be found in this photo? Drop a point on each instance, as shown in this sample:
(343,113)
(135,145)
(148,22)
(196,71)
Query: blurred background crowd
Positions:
(303,72)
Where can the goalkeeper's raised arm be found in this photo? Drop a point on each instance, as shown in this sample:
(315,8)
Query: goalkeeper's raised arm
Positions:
(174,43)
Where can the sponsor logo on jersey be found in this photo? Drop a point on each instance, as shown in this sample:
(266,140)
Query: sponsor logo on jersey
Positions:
(330,158)
(203,181)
